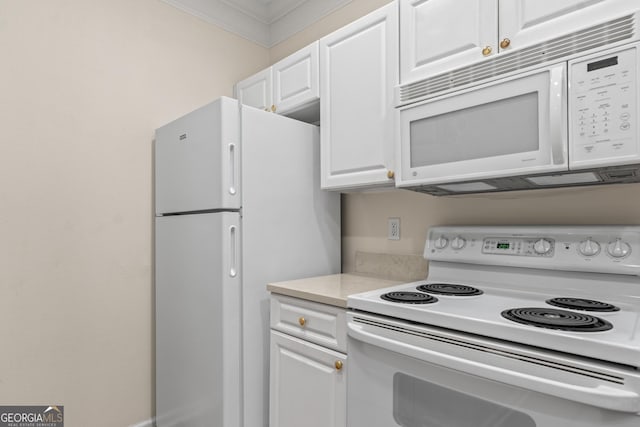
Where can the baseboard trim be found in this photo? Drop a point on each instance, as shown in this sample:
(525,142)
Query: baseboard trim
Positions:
(147,423)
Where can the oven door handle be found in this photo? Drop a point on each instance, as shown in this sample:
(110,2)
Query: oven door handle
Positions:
(601,395)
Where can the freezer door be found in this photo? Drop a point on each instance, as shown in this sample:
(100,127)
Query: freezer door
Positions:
(197,160)
(197,320)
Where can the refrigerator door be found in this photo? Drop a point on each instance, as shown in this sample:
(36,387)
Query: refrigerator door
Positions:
(197,160)
(291,230)
(198,341)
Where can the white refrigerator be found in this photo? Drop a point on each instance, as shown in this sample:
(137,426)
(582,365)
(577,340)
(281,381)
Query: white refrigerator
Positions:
(238,204)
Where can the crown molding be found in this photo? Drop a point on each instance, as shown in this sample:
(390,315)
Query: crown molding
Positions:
(265,22)
(224,16)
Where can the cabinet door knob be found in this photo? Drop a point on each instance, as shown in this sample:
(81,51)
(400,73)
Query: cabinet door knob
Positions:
(302,321)
(505,43)
(391,174)
(486,51)
(338,365)
(273,108)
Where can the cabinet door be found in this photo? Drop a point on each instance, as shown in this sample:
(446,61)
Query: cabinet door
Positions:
(358,75)
(308,384)
(440,35)
(255,91)
(295,80)
(526,22)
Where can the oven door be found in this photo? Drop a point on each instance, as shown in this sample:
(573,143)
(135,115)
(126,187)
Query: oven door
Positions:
(410,375)
(514,126)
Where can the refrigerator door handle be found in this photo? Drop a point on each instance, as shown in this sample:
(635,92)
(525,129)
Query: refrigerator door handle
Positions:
(233,246)
(232,169)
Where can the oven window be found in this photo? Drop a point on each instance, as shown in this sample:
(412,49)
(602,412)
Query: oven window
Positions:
(506,126)
(417,403)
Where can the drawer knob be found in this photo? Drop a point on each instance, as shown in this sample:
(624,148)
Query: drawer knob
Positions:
(505,43)
(273,108)
(486,51)
(338,365)
(302,321)
(390,174)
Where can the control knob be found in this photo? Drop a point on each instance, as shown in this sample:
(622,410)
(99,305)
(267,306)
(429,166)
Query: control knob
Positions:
(589,247)
(619,249)
(542,246)
(441,242)
(458,243)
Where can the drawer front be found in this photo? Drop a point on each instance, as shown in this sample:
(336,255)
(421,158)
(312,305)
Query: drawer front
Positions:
(318,323)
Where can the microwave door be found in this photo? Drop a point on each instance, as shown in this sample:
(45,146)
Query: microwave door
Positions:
(506,128)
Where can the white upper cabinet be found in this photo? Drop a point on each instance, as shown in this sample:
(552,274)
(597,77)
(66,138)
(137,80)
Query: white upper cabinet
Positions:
(525,22)
(295,80)
(256,90)
(439,36)
(289,87)
(359,70)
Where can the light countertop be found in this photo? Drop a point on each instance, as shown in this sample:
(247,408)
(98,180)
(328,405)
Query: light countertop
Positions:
(333,289)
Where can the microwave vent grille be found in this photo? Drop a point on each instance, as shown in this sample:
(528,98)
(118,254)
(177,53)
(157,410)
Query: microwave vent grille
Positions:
(603,34)
(622,174)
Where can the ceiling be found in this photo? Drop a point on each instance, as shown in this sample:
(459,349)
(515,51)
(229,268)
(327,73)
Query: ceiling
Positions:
(266,22)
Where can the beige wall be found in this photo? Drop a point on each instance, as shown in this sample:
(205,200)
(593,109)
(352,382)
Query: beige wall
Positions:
(365,215)
(83,85)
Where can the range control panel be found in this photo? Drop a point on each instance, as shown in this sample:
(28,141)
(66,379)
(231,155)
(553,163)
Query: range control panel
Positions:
(519,246)
(612,249)
(603,106)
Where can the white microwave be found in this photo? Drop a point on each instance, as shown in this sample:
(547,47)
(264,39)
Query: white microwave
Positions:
(569,123)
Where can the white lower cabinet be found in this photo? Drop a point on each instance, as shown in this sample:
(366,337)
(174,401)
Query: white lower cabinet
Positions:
(308,381)
(308,384)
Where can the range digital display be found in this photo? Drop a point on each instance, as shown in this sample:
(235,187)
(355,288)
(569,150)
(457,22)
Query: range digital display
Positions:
(502,245)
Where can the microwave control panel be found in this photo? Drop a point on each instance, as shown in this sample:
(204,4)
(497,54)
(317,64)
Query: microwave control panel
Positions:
(603,108)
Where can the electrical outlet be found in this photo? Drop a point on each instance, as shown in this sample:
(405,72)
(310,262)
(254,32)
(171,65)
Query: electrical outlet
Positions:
(394,229)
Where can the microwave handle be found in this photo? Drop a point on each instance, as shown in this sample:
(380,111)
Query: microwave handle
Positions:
(558,114)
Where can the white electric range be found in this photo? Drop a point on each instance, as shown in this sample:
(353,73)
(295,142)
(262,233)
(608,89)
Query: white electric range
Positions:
(514,327)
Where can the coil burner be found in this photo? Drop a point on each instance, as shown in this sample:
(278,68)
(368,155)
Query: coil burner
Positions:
(409,297)
(552,318)
(582,304)
(450,289)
